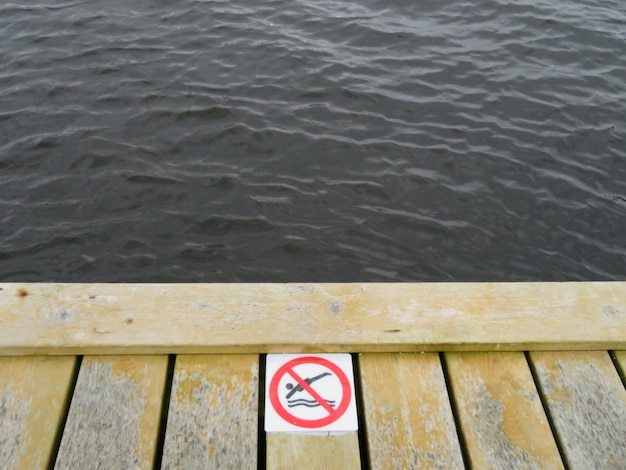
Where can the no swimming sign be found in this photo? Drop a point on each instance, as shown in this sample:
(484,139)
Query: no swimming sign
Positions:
(310,393)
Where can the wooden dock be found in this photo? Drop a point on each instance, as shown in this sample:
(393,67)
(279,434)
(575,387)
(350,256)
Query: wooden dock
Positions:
(123,376)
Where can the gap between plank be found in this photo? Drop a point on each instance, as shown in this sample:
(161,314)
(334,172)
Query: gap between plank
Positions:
(360,413)
(165,406)
(261,438)
(546,409)
(68,401)
(621,372)
(455,411)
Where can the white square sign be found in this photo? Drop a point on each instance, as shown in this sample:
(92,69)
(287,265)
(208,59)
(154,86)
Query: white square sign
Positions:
(310,393)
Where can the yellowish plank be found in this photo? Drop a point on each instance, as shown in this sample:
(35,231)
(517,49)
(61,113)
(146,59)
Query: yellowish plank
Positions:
(587,403)
(33,396)
(213,413)
(113,421)
(253,318)
(501,415)
(290,451)
(407,412)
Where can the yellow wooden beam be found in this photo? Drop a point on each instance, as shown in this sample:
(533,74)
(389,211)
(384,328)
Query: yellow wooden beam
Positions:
(244,318)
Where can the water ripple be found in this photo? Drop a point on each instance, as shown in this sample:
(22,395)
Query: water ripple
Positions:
(312,141)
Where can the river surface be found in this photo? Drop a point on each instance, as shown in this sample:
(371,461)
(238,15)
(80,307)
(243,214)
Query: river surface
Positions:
(293,140)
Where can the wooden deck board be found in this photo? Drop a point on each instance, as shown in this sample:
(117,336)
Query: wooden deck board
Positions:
(115,412)
(228,318)
(587,403)
(503,422)
(113,421)
(213,413)
(295,451)
(33,398)
(408,416)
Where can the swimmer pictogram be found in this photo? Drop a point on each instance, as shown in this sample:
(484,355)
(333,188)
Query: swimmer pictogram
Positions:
(302,401)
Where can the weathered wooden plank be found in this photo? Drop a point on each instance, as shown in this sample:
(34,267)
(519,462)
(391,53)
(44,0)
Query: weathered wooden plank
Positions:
(294,451)
(213,413)
(501,415)
(587,403)
(33,397)
(113,421)
(407,412)
(228,318)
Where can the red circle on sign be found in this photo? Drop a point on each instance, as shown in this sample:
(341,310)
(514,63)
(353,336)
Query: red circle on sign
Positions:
(309,423)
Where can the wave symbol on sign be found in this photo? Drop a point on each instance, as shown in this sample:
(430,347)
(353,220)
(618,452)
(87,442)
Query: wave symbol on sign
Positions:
(308,403)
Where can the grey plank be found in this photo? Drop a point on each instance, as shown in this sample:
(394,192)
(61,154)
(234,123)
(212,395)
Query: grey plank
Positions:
(587,402)
(407,411)
(504,424)
(113,422)
(213,415)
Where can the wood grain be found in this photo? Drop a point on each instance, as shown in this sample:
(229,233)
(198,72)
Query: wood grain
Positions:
(408,417)
(254,318)
(33,401)
(587,403)
(212,420)
(295,451)
(501,415)
(113,422)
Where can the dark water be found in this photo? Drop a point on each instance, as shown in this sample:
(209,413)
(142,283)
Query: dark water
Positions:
(154,140)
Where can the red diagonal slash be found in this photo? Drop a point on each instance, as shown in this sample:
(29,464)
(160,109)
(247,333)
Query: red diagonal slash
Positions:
(316,396)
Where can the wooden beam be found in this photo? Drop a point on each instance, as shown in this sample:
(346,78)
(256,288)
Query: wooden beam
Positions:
(212,420)
(114,416)
(290,451)
(254,318)
(34,392)
(408,417)
(587,403)
(501,415)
